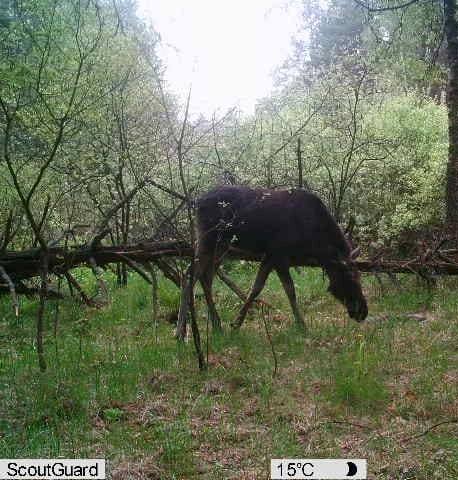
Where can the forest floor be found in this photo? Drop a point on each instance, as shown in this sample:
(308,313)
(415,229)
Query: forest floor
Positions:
(119,388)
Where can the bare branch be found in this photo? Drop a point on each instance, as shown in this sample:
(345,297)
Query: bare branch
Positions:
(136,268)
(72,281)
(298,130)
(446,422)
(12,290)
(102,287)
(385,9)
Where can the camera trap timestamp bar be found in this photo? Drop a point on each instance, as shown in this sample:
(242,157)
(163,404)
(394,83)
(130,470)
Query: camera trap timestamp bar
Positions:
(318,468)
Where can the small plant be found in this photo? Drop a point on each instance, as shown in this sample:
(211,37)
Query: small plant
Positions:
(113,414)
(175,441)
(357,379)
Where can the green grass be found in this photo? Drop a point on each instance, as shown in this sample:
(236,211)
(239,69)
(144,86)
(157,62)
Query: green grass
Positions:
(121,388)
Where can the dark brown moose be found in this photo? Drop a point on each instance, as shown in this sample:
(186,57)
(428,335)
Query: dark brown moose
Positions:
(286,228)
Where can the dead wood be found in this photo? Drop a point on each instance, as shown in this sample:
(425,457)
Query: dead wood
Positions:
(11,289)
(74,284)
(101,285)
(22,289)
(224,277)
(425,432)
(24,265)
(183,312)
(137,268)
(173,274)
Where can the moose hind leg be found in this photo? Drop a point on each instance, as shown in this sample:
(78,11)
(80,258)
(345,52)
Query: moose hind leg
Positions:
(207,282)
(205,273)
(288,286)
(261,277)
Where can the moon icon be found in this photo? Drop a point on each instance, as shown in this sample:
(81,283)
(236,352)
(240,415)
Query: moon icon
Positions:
(352,469)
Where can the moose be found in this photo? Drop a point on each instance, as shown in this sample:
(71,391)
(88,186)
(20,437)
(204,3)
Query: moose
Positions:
(285,228)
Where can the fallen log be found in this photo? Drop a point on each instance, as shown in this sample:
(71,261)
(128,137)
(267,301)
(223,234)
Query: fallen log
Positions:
(24,265)
(417,267)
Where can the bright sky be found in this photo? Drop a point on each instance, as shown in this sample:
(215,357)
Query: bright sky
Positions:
(227,49)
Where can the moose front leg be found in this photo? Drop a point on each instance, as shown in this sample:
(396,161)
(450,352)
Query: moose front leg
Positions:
(288,286)
(261,277)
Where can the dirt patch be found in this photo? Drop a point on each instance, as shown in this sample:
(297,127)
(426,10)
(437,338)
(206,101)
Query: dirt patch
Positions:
(141,412)
(231,458)
(213,387)
(144,469)
(145,413)
(159,380)
(227,360)
(247,475)
(352,445)
(218,416)
(233,434)
(422,316)
(450,377)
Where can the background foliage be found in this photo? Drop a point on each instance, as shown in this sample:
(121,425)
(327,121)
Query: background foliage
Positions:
(86,117)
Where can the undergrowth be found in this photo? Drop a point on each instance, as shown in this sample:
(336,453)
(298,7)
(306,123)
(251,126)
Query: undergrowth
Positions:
(119,387)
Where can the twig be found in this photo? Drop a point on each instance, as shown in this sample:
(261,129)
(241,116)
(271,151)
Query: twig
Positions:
(169,272)
(102,227)
(446,422)
(41,311)
(440,245)
(168,190)
(154,297)
(136,268)
(73,283)
(300,169)
(351,424)
(97,240)
(168,219)
(224,277)
(43,218)
(342,423)
(298,130)
(184,306)
(98,276)
(385,9)
(447,260)
(269,338)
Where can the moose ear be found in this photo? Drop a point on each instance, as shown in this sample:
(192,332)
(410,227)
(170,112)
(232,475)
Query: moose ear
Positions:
(355,253)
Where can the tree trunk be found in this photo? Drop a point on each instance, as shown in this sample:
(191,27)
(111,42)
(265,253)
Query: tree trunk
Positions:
(451,30)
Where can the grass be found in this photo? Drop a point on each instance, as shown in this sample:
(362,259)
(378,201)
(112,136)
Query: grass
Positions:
(118,387)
